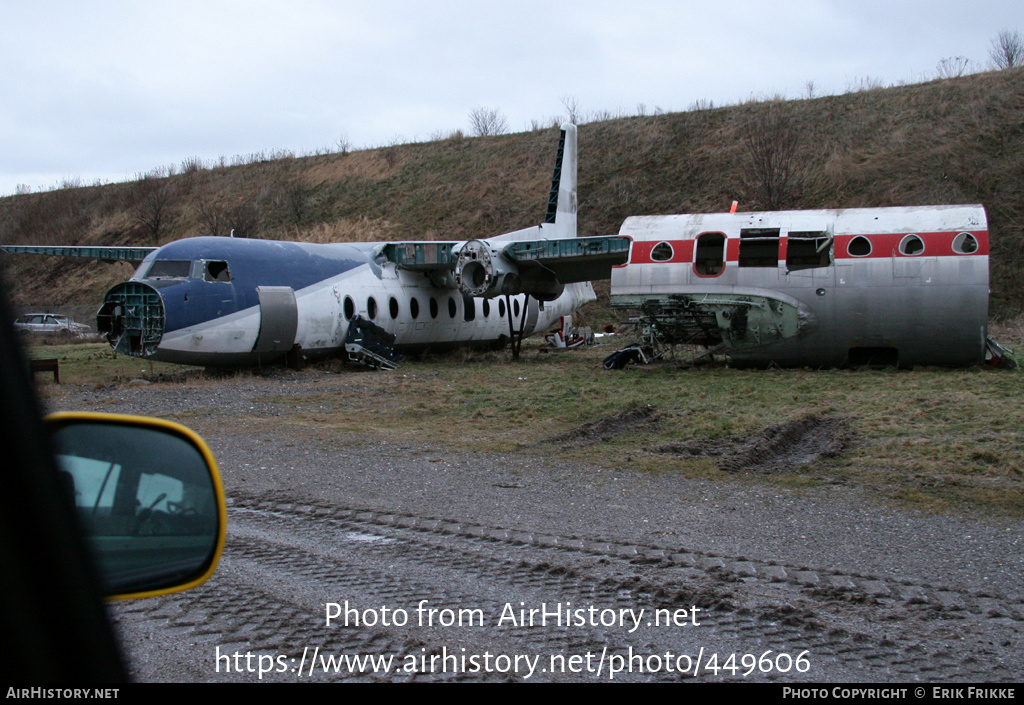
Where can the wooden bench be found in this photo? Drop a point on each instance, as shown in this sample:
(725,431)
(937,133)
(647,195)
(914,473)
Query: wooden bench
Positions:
(46,364)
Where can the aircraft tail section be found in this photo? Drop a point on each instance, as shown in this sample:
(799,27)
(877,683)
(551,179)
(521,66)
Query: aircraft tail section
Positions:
(561,211)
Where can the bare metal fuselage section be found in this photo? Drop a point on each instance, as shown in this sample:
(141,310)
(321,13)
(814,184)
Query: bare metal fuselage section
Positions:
(903,286)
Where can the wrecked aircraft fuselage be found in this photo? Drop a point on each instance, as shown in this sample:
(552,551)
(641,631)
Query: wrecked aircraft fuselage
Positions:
(824,288)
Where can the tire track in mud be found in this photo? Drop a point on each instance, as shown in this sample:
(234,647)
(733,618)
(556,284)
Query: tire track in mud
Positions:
(778,448)
(285,560)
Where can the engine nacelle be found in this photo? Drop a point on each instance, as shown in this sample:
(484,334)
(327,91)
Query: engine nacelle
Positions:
(482,270)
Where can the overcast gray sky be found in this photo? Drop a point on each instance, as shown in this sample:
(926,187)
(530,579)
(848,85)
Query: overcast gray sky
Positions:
(107,89)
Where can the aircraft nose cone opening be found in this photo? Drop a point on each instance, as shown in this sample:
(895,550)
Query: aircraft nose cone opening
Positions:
(132,319)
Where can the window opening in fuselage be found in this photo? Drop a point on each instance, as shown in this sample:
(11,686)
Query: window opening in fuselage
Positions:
(709,258)
(859,246)
(759,247)
(468,307)
(169,268)
(965,244)
(414,308)
(911,245)
(662,252)
(808,250)
(216,271)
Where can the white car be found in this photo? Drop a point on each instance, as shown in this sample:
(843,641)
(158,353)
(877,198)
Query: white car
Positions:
(51,323)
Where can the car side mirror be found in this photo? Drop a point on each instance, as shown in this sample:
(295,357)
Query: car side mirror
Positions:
(149,497)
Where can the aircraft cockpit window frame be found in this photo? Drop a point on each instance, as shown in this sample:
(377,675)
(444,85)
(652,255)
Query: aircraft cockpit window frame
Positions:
(662,252)
(169,269)
(216,271)
(856,247)
(709,254)
(965,244)
(912,246)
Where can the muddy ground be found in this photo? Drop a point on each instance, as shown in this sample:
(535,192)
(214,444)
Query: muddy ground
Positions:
(756,582)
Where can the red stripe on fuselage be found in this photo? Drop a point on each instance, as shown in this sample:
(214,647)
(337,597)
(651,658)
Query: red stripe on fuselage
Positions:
(938,244)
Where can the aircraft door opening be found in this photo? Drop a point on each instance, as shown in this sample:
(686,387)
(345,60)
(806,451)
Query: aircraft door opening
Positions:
(709,257)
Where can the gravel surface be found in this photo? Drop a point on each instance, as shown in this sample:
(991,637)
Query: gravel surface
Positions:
(866,592)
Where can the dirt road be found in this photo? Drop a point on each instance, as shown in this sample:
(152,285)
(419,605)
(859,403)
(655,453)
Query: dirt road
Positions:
(455,564)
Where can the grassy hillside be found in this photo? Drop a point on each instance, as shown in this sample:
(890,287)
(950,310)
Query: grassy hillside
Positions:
(950,141)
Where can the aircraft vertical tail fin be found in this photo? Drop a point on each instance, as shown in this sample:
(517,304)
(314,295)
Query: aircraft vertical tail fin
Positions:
(562,197)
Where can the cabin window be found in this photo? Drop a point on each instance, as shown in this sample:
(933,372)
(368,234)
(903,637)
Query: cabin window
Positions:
(808,250)
(350,308)
(216,271)
(414,307)
(170,268)
(433,307)
(911,245)
(468,307)
(371,307)
(515,307)
(759,247)
(487,308)
(501,308)
(965,244)
(393,307)
(662,252)
(452,309)
(859,246)
(709,259)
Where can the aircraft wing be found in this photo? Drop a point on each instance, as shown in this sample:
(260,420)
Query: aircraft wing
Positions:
(113,254)
(515,266)
(577,259)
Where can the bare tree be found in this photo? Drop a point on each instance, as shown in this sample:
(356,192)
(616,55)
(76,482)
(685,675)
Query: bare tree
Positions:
(486,122)
(151,205)
(771,164)
(213,218)
(243,220)
(572,108)
(1007,49)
